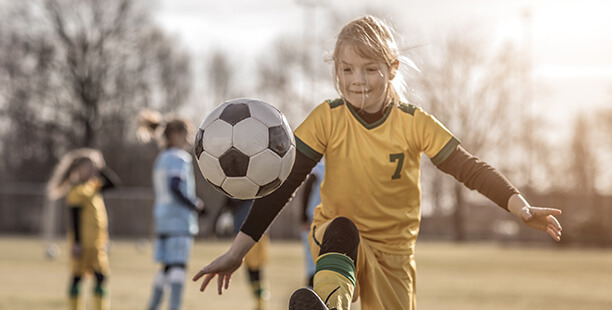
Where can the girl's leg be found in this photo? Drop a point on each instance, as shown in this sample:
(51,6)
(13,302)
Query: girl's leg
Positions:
(334,279)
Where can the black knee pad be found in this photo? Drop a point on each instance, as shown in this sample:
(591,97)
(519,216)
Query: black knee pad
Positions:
(99,278)
(166,268)
(341,236)
(254,275)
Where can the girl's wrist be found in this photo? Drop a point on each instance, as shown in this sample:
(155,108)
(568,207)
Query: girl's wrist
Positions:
(241,246)
(516,203)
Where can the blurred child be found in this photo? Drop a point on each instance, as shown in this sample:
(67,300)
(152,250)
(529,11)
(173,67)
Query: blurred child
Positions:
(176,204)
(80,177)
(310,200)
(364,231)
(257,257)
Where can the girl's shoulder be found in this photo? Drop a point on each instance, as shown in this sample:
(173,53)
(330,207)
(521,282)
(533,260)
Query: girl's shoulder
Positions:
(408,108)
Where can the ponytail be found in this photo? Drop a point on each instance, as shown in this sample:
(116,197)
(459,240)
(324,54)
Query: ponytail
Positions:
(152,125)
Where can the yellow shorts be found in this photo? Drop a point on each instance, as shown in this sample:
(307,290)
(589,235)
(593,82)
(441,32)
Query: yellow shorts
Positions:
(258,255)
(92,259)
(384,281)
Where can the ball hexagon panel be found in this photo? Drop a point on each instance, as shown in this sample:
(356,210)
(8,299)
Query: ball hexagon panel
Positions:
(211,169)
(235,112)
(265,113)
(240,187)
(234,163)
(217,138)
(287,163)
(250,136)
(264,167)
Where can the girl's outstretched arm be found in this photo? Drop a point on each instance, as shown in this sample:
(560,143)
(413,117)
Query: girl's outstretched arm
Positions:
(225,265)
(539,218)
(478,175)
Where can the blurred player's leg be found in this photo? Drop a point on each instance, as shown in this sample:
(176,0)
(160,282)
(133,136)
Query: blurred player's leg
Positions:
(176,278)
(100,300)
(74,293)
(158,289)
(254,261)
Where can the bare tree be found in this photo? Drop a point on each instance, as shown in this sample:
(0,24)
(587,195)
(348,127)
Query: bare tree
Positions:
(583,165)
(77,72)
(472,91)
(220,73)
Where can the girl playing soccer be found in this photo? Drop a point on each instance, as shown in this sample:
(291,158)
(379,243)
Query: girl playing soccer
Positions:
(364,231)
(176,205)
(80,177)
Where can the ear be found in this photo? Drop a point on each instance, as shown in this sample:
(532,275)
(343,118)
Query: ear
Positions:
(393,69)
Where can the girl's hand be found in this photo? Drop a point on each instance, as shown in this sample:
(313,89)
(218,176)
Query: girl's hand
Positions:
(225,265)
(539,218)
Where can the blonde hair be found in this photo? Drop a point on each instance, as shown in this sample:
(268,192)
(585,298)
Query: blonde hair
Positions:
(152,125)
(64,174)
(371,38)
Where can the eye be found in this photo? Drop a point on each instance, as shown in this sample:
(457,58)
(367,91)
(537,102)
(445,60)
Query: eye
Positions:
(346,70)
(372,69)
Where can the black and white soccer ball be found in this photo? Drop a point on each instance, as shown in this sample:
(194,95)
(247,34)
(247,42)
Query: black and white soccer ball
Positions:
(245,148)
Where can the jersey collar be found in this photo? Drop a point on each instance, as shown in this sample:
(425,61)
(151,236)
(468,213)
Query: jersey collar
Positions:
(364,123)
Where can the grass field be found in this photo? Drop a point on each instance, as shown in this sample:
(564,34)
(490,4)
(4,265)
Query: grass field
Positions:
(450,276)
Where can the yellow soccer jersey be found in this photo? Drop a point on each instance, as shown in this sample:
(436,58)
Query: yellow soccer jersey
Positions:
(94,220)
(372,170)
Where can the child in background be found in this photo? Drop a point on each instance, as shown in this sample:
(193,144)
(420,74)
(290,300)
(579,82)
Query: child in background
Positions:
(176,204)
(364,231)
(80,177)
(257,257)
(310,200)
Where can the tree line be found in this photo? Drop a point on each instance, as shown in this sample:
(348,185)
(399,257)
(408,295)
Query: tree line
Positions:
(76,73)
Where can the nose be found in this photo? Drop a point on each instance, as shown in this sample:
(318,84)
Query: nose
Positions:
(359,77)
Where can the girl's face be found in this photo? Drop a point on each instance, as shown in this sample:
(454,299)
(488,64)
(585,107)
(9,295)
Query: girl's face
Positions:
(178,139)
(362,81)
(86,170)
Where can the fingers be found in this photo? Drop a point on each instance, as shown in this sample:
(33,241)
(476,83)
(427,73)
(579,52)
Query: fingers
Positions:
(556,235)
(227,281)
(536,211)
(206,281)
(199,275)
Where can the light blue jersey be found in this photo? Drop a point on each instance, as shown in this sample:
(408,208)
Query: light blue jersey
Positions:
(172,217)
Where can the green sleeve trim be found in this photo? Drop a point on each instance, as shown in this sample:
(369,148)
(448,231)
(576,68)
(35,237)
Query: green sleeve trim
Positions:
(335,103)
(407,108)
(339,263)
(307,150)
(450,146)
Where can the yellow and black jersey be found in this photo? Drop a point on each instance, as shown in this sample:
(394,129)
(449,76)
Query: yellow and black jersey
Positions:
(372,170)
(93,225)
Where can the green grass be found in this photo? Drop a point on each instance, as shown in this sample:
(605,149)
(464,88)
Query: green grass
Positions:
(450,276)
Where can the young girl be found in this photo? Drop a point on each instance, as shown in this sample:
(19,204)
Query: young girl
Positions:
(364,231)
(80,177)
(176,205)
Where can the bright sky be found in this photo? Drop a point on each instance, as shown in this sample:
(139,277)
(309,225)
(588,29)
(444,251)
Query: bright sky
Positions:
(572,40)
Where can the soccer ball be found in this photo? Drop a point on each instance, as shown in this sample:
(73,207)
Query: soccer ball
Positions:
(245,148)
